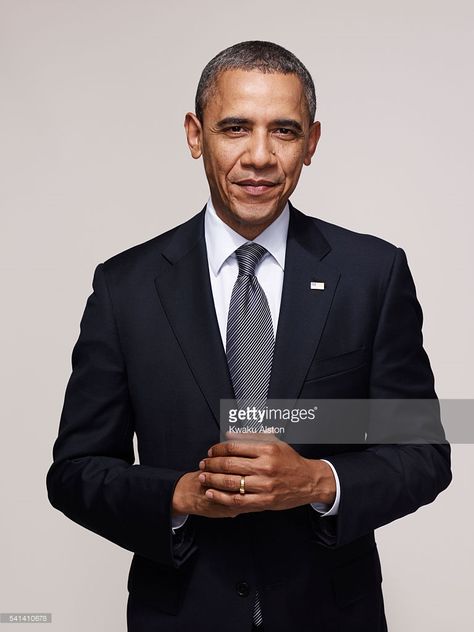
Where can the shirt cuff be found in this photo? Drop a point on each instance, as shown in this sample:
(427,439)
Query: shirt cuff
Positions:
(323,508)
(178,521)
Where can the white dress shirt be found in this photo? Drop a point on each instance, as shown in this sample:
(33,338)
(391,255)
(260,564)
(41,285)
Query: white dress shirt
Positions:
(221,243)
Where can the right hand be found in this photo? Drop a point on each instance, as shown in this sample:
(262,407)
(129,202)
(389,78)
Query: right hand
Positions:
(190,498)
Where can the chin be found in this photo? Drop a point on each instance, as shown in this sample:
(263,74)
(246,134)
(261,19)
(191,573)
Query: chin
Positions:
(254,213)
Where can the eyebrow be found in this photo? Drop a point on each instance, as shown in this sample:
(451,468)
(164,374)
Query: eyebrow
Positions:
(230,121)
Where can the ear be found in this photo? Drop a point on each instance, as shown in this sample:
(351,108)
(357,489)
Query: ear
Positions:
(193,128)
(314,135)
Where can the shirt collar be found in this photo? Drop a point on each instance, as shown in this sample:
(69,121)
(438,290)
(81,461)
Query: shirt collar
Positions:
(222,241)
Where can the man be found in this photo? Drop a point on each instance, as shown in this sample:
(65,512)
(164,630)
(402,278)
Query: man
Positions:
(241,535)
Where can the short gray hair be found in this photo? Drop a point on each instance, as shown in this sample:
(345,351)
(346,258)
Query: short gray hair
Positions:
(254,55)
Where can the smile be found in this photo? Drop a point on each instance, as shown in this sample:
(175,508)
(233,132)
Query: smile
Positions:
(255,187)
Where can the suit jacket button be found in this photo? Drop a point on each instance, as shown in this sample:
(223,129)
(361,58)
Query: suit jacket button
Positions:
(243,589)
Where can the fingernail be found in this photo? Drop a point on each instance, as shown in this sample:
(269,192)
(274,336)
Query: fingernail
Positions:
(209,452)
(202,478)
(209,494)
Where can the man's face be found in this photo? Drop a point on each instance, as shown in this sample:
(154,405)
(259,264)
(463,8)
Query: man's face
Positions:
(254,140)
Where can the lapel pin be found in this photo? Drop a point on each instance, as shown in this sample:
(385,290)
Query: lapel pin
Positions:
(317,285)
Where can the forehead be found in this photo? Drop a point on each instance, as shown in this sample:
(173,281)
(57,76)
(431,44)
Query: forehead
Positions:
(256,94)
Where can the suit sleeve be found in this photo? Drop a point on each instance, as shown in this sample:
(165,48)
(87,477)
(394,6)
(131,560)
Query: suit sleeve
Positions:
(93,479)
(386,481)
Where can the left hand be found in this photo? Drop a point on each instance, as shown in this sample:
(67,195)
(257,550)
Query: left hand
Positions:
(276,476)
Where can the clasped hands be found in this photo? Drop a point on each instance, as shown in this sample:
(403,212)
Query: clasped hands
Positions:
(276,477)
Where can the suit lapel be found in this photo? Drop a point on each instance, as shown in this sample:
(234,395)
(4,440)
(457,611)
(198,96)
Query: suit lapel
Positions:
(185,292)
(303,311)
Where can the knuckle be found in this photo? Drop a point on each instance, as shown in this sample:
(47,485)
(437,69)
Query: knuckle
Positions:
(227,464)
(272,449)
(237,499)
(229,483)
(268,486)
(231,447)
(268,468)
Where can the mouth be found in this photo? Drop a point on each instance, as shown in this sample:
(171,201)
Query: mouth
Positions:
(255,187)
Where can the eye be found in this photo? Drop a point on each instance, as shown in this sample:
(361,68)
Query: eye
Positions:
(235,129)
(284,131)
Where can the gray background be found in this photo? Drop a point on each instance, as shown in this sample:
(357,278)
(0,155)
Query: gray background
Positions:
(93,160)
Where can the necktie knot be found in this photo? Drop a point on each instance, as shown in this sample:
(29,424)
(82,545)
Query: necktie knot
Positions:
(248,256)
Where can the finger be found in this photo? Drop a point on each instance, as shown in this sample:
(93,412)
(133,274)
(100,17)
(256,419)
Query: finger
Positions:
(240,447)
(244,502)
(228,465)
(230,483)
(267,435)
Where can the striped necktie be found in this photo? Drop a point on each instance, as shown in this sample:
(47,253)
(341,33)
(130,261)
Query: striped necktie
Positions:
(250,342)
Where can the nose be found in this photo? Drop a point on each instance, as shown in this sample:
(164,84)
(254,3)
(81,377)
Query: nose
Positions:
(259,151)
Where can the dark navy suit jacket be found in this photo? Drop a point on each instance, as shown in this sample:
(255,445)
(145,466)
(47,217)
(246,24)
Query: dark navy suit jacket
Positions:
(149,360)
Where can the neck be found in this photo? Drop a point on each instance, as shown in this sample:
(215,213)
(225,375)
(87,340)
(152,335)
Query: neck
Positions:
(246,229)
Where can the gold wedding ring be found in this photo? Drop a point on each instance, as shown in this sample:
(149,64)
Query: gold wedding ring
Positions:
(242,485)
